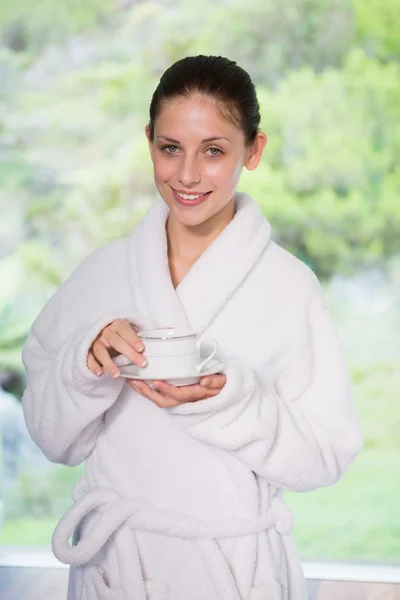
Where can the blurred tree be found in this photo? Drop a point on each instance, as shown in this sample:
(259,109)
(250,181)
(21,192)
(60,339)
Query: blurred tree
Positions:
(15,322)
(29,25)
(270,38)
(265,36)
(378,25)
(329,180)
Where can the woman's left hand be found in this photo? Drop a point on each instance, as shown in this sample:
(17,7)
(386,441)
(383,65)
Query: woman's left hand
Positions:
(166,395)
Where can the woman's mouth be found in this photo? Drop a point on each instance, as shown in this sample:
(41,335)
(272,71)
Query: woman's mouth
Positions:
(190,199)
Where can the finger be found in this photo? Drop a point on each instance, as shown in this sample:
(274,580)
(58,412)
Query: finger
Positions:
(142,388)
(102,356)
(126,331)
(187,390)
(105,341)
(185,393)
(213,381)
(123,347)
(93,365)
(171,391)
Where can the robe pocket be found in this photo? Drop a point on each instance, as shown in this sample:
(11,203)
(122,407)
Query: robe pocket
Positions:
(155,590)
(268,591)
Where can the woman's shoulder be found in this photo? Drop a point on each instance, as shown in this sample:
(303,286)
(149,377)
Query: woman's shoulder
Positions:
(101,263)
(104,254)
(290,273)
(96,276)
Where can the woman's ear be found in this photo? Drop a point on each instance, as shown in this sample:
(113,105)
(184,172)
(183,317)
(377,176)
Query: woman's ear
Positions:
(255,151)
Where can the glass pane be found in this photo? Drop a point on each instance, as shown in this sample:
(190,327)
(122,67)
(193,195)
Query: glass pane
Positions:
(357,517)
(75,174)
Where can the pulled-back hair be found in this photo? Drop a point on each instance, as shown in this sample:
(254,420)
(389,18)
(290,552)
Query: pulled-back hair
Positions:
(218,78)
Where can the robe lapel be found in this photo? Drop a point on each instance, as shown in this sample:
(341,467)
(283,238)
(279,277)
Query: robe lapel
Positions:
(223,267)
(153,291)
(212,279)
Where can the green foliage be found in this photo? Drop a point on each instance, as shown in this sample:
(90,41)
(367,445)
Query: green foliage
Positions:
(350,520)
(28,531)
(378,27)
(41,494)
(29,25)
(14,327)
(271,38)
(329,180)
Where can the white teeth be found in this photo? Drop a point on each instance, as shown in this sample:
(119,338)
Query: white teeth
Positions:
(187,197)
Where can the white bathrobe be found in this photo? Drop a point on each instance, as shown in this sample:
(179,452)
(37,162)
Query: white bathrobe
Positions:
(185,503)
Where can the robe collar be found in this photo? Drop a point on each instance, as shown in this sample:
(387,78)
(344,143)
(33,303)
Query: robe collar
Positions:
(212,279)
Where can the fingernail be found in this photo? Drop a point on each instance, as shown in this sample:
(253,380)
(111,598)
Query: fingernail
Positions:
(115,374)
(143,362)
(99,372)
(204,382)
(139,347)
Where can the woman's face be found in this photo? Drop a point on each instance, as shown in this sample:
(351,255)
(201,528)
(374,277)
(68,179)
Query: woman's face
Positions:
(198,157)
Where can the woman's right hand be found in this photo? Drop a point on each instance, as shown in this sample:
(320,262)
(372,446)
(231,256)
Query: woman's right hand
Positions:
(117,338)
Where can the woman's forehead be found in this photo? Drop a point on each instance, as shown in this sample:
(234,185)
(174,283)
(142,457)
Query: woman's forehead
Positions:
(196,114)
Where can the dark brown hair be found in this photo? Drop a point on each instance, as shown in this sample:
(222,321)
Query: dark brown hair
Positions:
(214,76)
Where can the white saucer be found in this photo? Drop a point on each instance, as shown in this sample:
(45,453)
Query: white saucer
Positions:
(212,368)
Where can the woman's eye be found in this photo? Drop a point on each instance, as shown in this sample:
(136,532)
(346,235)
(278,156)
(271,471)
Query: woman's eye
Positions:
(214,151)
(170,149)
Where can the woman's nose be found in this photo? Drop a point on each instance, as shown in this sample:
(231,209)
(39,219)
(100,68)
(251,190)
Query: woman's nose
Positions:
(189,172)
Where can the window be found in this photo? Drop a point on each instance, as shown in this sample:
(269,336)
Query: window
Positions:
(75,174)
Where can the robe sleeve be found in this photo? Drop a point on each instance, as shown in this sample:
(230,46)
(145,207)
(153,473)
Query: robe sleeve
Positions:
(64,402)
(298,428)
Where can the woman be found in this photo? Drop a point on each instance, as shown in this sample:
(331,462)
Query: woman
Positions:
(182,493)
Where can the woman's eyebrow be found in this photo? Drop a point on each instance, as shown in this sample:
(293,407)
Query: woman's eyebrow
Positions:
(207,140)
(215,139)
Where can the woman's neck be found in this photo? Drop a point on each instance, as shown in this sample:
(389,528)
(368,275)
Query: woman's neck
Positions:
(188,243)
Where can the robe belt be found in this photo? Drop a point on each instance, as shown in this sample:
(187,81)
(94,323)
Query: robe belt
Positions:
(139,514)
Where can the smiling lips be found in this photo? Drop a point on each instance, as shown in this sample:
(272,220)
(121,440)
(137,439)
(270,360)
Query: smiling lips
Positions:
(191,199)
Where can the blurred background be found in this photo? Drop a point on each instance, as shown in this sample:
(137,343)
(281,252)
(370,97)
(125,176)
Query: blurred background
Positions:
(76,78)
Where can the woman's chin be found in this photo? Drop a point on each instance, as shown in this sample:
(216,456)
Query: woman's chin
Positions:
(190,217)
(190,220)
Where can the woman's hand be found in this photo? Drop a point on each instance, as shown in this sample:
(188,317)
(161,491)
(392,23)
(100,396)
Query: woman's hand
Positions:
(117,338)
(166,395)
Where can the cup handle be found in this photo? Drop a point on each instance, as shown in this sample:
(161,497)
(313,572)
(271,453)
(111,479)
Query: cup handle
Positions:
(199,343)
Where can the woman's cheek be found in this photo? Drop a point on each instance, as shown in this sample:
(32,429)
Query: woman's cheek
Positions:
(227,173)
(162,172)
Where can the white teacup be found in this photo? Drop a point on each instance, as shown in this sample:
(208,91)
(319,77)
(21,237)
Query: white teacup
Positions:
(173,352)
